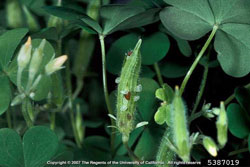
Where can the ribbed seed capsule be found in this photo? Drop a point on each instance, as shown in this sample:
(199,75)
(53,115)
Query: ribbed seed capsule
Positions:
(126,105)
(222,125)
(179,128)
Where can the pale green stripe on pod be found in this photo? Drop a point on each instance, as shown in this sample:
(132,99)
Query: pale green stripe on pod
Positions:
(179,128)
(222,126)
(127,94)
(165,154)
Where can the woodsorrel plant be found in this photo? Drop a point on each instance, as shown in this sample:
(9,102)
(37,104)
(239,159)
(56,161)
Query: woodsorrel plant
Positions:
(117,100)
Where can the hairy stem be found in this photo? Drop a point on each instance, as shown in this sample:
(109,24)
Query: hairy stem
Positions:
(158,73)
(19,80)
(53,121)
(8,117)
(72,119)
(195,63)
(195,116)
(230,98)
(25,113)
(131,153)
(105,88)
(238,151)
(201,91)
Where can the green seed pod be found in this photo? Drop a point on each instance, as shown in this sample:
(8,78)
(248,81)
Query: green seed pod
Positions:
(87,42)
(165,154)
(31,21)
(14,14)
(222,126)
(36,61)
(56,22)
(128,89)
(179,127)
(79,125)
(210,145)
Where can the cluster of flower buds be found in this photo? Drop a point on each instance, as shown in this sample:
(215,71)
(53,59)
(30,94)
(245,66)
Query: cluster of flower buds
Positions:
(32,59)
(208,112)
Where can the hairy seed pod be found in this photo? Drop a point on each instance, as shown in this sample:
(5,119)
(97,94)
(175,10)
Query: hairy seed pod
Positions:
(222,126)
(210,145)
(165,154)
(127,93)
(179,127)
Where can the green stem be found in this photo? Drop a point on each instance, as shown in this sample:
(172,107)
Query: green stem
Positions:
(77,138)
(230,98)
(131,153)
(201,91)
(53,121)
(19,80)
(195,63)
(78,88)
(195,116)
(8,117)
(238,151)
(158,73)
(25,113)
(72,119)
(105,88)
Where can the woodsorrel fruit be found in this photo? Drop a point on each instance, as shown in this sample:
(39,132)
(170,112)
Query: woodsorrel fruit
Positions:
(179,126)
(222,125)
(127,94)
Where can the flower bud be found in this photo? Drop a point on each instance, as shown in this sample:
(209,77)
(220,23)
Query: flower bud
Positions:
(222,126)
(18,99)
(210,145)
(36,60)
(24,54)
(55,64)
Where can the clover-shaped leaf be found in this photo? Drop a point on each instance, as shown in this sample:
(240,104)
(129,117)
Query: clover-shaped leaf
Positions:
(163,114)
(166,93)
(154,48)
(120,17)
(243,96)
(237,123)
(38,146)
(147,100)
(193,19)
(81,19)
(9,41)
